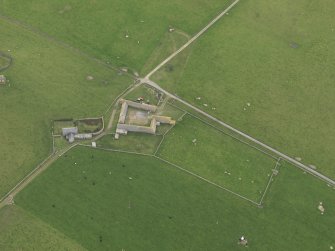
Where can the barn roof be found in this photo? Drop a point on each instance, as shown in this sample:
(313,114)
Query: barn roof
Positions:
(69,130)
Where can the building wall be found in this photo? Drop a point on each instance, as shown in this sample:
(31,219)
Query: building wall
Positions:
(69,130)
(141,129)
(123,113)
(164,120)
(83,136)
(146,107)
(134,128)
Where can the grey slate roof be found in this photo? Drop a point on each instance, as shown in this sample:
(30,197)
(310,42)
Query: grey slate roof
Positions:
(69,130)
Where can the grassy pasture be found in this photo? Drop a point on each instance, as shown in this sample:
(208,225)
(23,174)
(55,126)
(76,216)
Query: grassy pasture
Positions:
(96,204)
(185,109)
(165,109)
(60,143)
(170,42)
(217,157)
(46,82)
(59,124)
(4,61)
(277,56)
(90,125)
(22,231)
(148,94)
(133,142)
(100,27)
(98,200)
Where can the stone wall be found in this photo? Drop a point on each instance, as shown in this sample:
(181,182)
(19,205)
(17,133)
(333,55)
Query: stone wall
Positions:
(135,128)
(146,107)
(164,120)
(123,113)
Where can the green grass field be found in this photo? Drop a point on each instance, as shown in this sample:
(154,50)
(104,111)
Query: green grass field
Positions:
(148,94)
(266,68)
(95,203)
(100,27)
(59,124)
(60,143)
(4,62)
(277,56)
(89,126)
(22,231)
(217,157)
(133,142)
(170,42)
(47,82)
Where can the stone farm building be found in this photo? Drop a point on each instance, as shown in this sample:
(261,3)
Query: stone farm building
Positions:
(128,103)
(2,79)
(123,128)
(69,133)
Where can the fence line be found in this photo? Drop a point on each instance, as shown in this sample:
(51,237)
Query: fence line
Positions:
(206,180)
(178,167)
(116,150)
(163,138)
(27,176)
(225,133)
(270,180)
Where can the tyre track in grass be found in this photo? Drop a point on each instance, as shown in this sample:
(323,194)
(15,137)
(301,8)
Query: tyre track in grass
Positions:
(217,18)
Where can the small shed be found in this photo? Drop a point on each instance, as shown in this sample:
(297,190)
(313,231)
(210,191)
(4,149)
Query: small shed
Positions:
(83,136)
(2,79)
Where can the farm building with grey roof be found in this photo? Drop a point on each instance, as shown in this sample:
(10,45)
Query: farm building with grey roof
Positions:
(2,79)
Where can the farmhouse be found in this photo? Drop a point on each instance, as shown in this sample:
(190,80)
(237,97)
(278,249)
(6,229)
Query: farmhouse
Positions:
(141,106)
(123,128)
(2,79)
(69,133)
(69,130)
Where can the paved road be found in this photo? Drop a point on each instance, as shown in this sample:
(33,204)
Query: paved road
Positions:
(278,153)
(192,39)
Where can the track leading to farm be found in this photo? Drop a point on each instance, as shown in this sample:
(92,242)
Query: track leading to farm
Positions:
(9,197)
(192,39)
(146,80)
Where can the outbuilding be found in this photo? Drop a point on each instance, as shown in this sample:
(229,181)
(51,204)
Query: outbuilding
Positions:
(69,130)
(69,133)
(2,79)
